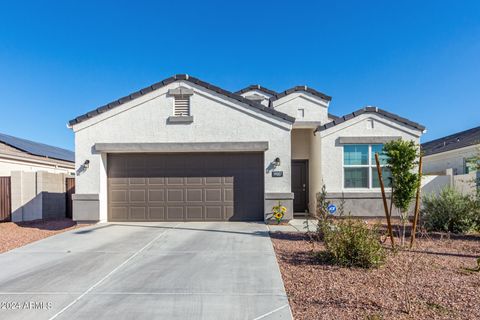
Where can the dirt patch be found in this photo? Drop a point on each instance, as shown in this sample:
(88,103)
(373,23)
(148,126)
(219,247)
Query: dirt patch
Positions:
(14,235)
(436,280)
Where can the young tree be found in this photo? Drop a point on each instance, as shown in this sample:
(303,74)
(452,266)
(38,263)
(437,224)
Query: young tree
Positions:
(402,158)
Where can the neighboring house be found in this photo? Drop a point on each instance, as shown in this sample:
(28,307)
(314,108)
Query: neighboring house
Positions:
(33,179)
(183,149)
(18,154)
(458,151)
(452,161)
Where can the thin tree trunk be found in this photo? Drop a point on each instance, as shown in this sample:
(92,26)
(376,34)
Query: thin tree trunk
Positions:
(404,226)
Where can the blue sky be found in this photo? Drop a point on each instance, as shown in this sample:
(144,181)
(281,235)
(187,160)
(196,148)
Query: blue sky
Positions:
(419,59)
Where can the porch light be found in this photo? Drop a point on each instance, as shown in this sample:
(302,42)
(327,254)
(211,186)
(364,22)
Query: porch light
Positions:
(86,164)
(276,162)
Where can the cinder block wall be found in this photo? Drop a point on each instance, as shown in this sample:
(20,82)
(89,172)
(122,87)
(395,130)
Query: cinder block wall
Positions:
(37,195)
(52,189)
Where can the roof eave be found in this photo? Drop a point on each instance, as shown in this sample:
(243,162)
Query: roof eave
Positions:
(376,110)
(300,89)
(172,79)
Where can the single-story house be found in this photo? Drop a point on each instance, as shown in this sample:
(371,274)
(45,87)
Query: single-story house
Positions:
(18,154)
(185,150)
(457,151)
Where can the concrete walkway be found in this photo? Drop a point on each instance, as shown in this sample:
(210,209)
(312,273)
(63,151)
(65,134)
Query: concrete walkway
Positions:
(146,271)
(295,225)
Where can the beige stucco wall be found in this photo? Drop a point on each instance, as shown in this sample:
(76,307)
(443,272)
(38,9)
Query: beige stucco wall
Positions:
(315,108)
(301,143)
(327,166)
(143,120)
(455,159)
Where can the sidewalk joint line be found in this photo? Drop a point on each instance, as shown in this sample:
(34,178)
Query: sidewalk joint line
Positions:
(271,312)
(111,272)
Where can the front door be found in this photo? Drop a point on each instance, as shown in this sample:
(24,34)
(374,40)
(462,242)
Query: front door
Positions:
(300,185)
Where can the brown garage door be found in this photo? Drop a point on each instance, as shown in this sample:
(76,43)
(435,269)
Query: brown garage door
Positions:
(185,187)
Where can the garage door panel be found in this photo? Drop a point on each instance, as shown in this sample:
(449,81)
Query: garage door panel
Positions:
(172,181)
(194,195)
(213,195)
(213,213)
(137,181)
(117,196)
(194,181)
(156,213)
(180,187)
(175,195)
(228,195)
(155,195)
(156,181)
(118,181)
(194,213)
(138,213)
(175,213)
(118,213)
(213,180)
(137,195)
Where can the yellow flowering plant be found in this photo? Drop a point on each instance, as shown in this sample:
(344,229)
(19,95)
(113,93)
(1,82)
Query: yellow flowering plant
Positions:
(279,212)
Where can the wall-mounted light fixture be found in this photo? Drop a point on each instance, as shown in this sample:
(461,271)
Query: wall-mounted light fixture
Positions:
(276,162)
(86,164)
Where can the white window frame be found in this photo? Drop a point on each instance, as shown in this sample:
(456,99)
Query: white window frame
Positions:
(371,164)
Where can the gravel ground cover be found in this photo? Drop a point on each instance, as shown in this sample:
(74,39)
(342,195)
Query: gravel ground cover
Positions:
(14,235)
(436,280)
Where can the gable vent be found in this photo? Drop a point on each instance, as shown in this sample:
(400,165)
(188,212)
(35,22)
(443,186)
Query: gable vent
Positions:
(182,106)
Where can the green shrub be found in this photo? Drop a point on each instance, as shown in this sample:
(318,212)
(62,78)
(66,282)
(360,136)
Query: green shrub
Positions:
(350,242)
(450,211)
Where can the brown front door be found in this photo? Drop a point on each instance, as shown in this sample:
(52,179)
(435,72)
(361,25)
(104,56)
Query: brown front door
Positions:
(186,187)
(300,185)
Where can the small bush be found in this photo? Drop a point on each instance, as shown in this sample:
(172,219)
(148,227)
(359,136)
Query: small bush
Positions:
(352,243)
(450,211)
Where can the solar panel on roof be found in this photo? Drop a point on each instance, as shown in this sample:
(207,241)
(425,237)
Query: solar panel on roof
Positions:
(38,149)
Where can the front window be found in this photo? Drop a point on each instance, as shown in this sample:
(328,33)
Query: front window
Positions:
(359,167)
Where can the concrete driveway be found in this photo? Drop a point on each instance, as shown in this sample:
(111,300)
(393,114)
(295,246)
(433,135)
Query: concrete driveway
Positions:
(118,271)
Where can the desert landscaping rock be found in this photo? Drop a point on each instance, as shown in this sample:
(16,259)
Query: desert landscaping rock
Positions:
(438,276)
(14,235)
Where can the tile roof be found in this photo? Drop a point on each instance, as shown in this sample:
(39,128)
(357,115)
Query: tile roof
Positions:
(454,141)
(301,88)
(38,149)
(256,87)
(172,79)
(370,110)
